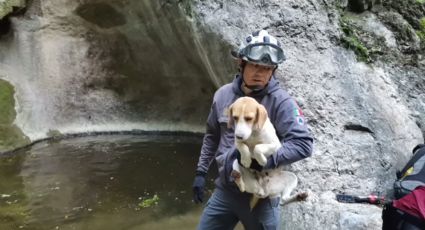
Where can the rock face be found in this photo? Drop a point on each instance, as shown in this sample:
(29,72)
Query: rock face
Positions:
(366,117)
(80,66)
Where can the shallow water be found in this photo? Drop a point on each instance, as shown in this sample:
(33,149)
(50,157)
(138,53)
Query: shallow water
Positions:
(101,182)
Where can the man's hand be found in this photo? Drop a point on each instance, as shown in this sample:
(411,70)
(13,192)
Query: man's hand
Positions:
(198,187)
(270,164)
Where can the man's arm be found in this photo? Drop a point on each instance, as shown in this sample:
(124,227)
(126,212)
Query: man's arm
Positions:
(209,147)
(210,142)
(291,127)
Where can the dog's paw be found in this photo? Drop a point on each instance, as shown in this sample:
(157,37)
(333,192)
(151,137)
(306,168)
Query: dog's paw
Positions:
(260,193)
(260,152)
(261,159)
(260,149)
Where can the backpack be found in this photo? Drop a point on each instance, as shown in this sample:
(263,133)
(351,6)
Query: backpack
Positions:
(410,183)
(412,175)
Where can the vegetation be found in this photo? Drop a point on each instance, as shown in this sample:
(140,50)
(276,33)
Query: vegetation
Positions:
(7,112)
(10,136)
(8,6)
(54,133)
(351,41)
(148,202)
(186,5)
(421,31)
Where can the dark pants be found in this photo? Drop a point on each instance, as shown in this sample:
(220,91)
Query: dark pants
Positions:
(224,209)
(394,219)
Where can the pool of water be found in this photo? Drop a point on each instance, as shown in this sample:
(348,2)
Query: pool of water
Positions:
(104,182)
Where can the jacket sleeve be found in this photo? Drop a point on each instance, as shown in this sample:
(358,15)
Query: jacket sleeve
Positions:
(210,141)
(292,130)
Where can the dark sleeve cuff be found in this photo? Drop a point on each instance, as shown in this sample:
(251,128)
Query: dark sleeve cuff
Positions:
(200,173)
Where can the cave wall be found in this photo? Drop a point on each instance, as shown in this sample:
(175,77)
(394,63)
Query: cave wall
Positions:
(92,66)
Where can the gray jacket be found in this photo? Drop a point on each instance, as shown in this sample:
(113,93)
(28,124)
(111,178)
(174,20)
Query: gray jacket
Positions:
(283,112)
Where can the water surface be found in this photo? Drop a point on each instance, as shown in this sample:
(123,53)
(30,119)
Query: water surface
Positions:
(101,182)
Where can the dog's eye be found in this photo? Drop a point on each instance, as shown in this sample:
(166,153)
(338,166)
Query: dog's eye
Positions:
(248,118)
(235,118)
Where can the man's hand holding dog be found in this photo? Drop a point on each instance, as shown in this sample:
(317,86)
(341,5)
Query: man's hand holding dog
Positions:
(269,164)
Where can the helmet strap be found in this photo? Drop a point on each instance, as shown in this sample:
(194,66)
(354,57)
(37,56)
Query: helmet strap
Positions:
(242,65)
(253,88)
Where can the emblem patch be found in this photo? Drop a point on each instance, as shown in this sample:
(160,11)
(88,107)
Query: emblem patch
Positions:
(298,114)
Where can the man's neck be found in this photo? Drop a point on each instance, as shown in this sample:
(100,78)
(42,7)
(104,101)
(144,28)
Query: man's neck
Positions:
(245,89)
(248,91)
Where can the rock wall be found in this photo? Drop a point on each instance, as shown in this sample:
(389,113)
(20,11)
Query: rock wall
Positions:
(84,66)
(366,114)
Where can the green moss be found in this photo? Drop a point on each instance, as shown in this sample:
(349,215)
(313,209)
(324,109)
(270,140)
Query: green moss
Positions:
(146,203)
(186,5)
(9,6)
(421,31)
(7,103)
(10,136)
(421,35)
(12,213)
(422,23)
(420,1)
(351,41)
(54,133)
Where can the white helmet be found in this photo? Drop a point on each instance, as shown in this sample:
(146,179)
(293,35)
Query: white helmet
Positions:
(261,48)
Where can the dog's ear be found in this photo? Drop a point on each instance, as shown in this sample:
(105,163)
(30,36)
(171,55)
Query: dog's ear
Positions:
(260,117)
(229,114)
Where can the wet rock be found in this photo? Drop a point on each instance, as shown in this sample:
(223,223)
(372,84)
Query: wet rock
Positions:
(112,66)
(101,14)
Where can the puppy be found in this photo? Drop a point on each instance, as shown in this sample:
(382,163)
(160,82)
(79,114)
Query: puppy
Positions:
(255,137)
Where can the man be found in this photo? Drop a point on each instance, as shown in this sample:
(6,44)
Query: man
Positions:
(258,58)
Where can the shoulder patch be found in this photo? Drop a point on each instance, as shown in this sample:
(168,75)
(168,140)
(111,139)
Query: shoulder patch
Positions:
(298,113)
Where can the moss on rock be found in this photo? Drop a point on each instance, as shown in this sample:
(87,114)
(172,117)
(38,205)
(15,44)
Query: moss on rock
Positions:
(350,40)
(7,113)
(54,134)
(421,31)
(11,136)
(8,6)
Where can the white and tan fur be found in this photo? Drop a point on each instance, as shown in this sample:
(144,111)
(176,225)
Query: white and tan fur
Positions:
(256,138)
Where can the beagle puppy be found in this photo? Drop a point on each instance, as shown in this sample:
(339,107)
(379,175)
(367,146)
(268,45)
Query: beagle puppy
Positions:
(255,137)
